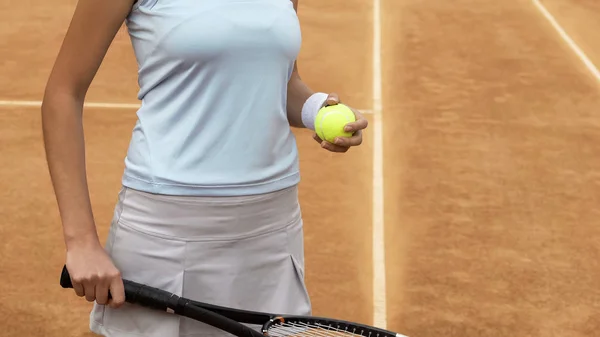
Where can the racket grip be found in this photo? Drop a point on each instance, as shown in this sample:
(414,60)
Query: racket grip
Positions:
(134,292)
(65,278)
(154,298)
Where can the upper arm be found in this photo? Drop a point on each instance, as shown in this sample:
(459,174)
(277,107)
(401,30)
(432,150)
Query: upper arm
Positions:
(91,31)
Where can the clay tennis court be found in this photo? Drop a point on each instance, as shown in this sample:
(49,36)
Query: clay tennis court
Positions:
(482,169)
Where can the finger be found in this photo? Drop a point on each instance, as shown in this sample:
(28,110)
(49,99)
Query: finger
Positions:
(78,287)
(117,292)
(355,140)
(332,99)
(359,124)
(90,291)
(317,139)
(334,148)
(101,292)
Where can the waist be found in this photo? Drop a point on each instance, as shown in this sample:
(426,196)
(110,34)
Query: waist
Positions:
(212,152)
(198,218)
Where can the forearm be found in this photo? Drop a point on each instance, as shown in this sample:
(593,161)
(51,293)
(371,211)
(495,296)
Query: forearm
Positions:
(62,127)
(303,103)
(298,93)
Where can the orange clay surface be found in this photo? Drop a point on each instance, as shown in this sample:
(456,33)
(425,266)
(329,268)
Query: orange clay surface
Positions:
(491,167)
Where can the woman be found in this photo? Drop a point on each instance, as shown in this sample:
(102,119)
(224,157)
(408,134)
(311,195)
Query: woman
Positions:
(209,207)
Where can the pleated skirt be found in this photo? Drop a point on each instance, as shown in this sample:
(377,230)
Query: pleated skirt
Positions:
(243,252)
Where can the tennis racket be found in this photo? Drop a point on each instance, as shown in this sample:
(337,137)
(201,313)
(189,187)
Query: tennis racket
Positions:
(232,320)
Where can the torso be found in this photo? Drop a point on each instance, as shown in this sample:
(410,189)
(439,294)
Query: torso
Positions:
(213,83)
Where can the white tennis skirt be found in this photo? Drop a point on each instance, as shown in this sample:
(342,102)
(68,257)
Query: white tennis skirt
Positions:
(242,252)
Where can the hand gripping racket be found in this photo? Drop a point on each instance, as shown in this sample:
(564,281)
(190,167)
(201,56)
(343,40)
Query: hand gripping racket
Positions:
(232,320)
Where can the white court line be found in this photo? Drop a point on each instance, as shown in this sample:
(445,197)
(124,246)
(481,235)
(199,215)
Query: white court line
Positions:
(568,40)
(379,291)
(87,104)
(24,104)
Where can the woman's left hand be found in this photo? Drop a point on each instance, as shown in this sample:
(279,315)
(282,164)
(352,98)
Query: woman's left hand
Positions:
(343,144)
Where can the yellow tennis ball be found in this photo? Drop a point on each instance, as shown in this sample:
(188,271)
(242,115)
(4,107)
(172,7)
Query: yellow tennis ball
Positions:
(331,120)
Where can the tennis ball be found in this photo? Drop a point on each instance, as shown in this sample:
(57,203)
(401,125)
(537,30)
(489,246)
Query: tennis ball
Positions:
(331,120)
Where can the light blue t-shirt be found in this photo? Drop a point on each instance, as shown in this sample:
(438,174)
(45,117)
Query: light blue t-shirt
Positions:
(213,84)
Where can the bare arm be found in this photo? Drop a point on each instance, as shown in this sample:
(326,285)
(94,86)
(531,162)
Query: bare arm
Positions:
(92,29)
(298,93)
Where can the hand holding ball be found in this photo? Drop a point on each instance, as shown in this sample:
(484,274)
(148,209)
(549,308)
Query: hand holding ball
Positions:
(331,120)
(337,127)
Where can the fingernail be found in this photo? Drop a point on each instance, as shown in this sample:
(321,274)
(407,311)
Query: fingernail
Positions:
(338,141)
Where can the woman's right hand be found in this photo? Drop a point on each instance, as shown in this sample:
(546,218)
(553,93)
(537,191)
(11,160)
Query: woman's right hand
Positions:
(91,31)
(93,275)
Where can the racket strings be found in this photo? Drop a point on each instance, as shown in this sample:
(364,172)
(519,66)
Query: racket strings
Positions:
(288,329)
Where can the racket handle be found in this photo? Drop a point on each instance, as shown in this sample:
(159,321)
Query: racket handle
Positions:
(154,298)
(135,293)
(65,280)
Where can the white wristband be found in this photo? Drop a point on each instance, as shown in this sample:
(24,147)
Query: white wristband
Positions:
(311,108)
